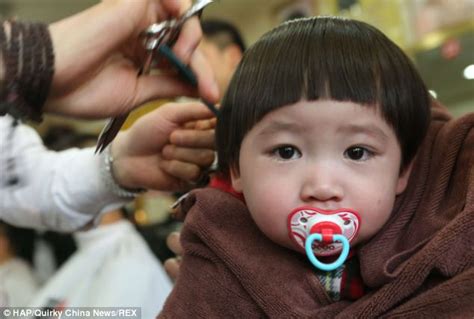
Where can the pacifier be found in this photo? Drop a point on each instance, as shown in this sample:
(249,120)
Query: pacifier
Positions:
(323,233)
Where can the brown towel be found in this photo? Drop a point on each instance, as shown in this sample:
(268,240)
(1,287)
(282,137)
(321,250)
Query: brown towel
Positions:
(419,265)
(430,236)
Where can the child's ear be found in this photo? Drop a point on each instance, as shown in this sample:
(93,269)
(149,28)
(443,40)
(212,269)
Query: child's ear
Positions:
(403,178)
(235,178)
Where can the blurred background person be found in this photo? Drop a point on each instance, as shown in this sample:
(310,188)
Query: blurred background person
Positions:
(113,267)
(116,266)
(223,46)
(18,283)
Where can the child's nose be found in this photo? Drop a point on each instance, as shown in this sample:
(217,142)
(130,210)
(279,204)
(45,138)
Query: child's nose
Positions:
(321,186)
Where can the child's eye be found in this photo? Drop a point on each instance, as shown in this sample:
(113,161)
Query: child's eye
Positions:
(358,153)
(286,152)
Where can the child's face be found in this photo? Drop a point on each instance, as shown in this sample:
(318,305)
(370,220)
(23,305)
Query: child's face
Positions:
(325,154)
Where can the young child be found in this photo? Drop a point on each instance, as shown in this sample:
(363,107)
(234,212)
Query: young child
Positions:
(324,117)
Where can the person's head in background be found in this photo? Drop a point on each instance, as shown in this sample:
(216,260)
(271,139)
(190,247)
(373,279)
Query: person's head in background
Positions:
(322,112)
(63,137)
(223,46)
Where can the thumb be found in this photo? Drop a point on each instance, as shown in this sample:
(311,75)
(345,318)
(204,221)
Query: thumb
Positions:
(152,131)
(180,113)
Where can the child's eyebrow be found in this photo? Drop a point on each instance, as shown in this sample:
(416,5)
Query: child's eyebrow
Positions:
(368,129)
(278,126)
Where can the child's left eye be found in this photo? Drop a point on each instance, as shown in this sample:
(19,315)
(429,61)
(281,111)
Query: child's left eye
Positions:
(286,152)
(358,153)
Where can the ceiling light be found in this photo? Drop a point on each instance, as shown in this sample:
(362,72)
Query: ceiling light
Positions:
(469,72)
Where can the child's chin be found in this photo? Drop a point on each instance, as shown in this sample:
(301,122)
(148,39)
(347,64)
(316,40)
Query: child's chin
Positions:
(290,245)
(294,247)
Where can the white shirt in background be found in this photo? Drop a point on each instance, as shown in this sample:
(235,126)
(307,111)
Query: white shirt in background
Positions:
(17,283)
(113,267)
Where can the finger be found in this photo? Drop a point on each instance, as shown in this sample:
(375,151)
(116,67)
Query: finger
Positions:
(181,170)
(190,125)
(191,32)
(186,50)
(173,243)
(161,12)
(201,125)
(172,267)
(206,124)
(200,157)
(207,85)
(180,113)
(160,123)
(175,8)
(188,40)
(147,174)
(160,86)
(193,138)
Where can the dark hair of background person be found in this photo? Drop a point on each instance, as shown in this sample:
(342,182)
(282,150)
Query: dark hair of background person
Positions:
(323,58)
(62,137)
(20,240)
(222,33)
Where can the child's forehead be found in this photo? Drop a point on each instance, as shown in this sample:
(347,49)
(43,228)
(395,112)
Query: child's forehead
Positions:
(342,117)
(333,109)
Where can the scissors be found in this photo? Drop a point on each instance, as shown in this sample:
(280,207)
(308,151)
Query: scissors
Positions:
(158,38)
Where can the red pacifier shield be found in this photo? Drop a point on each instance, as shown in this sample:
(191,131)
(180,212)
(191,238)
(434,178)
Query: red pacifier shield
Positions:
(305,221)
(327,229)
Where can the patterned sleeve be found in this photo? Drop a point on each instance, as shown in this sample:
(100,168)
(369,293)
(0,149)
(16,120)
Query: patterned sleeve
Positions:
(26,68)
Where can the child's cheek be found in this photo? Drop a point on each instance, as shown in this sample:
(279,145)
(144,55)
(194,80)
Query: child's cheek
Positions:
(271,218)
(374,216)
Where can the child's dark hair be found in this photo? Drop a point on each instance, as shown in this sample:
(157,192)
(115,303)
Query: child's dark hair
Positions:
(324,58)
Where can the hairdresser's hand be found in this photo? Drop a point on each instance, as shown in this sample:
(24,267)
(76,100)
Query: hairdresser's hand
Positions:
(159,151)
(172,264)
(98,54)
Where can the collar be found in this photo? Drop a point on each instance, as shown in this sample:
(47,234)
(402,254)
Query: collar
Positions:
(224,184)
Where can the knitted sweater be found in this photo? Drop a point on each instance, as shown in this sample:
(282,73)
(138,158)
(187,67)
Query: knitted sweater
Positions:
(420,264)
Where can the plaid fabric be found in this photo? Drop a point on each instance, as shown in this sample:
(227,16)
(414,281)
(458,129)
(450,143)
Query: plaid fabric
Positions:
(331,281)
(344,282)
(352,286)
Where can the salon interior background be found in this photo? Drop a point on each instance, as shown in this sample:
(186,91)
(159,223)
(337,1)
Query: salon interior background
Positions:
(437,34)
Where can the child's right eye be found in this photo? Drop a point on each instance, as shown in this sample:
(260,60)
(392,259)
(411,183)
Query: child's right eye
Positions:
(286,152)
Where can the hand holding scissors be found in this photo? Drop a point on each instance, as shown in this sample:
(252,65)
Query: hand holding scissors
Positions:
(157,39)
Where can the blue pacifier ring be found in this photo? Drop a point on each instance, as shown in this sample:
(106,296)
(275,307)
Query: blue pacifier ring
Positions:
(331,266)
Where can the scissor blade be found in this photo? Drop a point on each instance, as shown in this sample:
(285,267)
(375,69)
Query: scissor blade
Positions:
(110,131)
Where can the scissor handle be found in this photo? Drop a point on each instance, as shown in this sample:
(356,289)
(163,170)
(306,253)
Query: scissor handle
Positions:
(175,25)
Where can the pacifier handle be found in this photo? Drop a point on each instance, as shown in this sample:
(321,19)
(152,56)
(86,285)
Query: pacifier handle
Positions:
(323,266)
